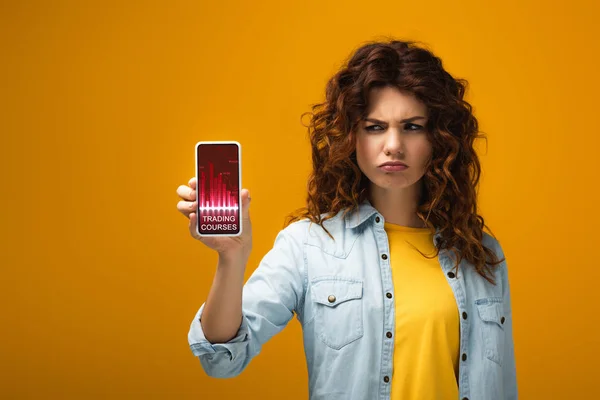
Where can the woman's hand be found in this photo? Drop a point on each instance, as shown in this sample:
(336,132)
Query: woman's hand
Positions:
(228,247)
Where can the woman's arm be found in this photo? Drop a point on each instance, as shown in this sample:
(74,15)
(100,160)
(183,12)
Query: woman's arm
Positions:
(268,300)
(222,314)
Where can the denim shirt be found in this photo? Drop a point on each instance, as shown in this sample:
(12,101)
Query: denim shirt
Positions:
(343,296)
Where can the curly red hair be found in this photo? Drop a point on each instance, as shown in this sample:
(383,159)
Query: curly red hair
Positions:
(448,200)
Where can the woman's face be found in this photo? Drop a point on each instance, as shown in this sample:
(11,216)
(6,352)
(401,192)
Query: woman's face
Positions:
(394,131)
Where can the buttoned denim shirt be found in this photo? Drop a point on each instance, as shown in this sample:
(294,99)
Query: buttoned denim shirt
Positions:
(342,293)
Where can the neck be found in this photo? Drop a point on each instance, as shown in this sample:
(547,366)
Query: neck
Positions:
(398,207)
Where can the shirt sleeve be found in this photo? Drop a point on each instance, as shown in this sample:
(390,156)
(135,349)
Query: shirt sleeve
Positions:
(269,298)
(509,367)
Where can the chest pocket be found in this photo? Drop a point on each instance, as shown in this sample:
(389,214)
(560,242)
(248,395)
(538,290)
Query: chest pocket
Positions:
(338,310)
(491,312)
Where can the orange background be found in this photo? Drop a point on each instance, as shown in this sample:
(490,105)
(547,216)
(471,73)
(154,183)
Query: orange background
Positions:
(102,103)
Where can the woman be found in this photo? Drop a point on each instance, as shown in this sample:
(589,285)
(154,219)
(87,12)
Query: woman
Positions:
(400,292)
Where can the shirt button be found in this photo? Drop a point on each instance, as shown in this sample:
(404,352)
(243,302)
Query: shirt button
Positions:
(386,379)
(331,299)
(384,256)
(377,219)
(502,320)
(389,335)
(451,274)
(464,315)
(388,295)
(464,357)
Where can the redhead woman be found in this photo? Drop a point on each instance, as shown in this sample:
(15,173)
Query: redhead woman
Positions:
(400,292)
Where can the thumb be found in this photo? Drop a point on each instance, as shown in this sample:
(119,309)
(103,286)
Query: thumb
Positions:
(245,205)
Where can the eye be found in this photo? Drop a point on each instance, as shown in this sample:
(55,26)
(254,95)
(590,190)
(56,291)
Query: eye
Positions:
(413,127)
(372,128)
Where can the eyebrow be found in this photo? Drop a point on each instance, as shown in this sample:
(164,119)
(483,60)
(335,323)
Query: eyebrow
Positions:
(411,119)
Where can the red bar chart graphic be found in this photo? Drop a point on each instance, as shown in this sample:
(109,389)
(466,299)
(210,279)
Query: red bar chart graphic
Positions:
(217,196)
(218,189)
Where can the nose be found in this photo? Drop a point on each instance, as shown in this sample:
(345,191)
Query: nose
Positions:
(393,142)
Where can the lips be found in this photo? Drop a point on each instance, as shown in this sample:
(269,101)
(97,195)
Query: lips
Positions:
(394,164)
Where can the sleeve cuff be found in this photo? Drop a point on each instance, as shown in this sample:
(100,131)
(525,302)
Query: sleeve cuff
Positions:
(202,347)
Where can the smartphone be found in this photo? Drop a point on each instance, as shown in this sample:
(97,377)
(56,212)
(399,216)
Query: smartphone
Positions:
(218,194)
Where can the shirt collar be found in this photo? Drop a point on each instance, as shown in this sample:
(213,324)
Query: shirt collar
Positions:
(365,211)
(358,216)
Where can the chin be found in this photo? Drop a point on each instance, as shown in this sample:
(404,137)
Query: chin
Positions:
(399,183)
(393,186)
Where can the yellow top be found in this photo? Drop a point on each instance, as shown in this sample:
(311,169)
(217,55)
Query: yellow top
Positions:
(427,334)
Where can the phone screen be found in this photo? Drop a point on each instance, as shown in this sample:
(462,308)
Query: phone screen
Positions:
(218,191)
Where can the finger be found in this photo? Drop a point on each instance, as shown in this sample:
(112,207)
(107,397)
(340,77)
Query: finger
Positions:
(245,205)
(192,183)
(192,226)
(186,193)
(186,207)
